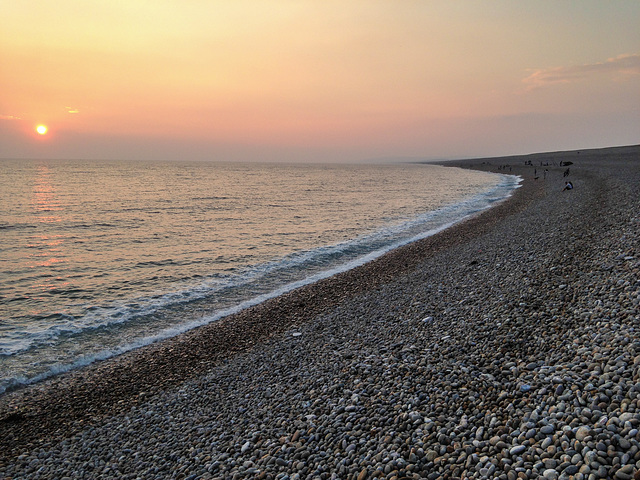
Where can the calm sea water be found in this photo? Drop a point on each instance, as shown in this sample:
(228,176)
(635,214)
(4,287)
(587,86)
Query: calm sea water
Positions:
(98,258)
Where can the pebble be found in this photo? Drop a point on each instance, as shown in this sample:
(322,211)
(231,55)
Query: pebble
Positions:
(517,450)
(582,433)
(547,429)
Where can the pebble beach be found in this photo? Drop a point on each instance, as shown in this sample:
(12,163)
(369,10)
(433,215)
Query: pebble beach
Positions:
(507,346)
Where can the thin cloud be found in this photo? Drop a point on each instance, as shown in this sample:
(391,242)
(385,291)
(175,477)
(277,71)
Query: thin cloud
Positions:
(9,117)
(72,110)
(628,64)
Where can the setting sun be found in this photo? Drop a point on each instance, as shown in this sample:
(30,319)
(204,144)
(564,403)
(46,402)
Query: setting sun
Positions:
(41,129)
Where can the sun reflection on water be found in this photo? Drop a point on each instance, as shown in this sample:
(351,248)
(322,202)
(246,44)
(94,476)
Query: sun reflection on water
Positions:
(47,248)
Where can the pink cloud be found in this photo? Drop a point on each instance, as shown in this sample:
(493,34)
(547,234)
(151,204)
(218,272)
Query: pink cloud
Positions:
(628,64)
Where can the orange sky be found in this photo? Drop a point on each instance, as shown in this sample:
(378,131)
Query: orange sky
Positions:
(310,80)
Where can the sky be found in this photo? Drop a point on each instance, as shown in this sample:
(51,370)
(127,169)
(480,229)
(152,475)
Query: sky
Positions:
(299,80)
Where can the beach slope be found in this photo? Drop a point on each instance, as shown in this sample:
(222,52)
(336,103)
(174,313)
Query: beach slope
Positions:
(504,347)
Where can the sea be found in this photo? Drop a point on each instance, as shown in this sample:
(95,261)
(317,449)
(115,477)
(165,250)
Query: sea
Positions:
(101,257)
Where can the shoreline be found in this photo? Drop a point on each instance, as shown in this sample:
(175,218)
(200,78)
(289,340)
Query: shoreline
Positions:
(42,413)
(500,191)
(30,358)
(231,334)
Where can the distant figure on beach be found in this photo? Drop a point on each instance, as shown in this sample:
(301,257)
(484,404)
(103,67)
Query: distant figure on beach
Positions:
(566,172)
(567,186)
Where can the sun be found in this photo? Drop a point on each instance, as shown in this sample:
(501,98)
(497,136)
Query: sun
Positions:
(42,129)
